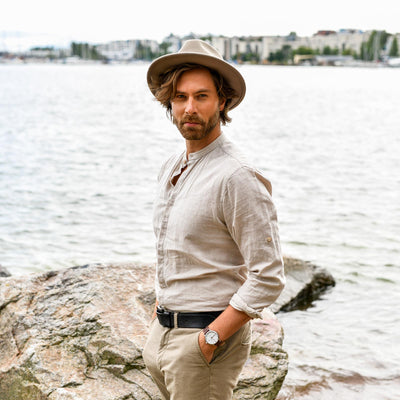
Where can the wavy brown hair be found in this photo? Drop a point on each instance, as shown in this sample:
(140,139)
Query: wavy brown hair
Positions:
(165,88)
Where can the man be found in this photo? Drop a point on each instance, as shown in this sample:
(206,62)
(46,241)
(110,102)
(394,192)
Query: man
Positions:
(218,254)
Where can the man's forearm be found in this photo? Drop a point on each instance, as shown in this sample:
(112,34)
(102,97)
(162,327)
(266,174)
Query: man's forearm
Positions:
(229,322)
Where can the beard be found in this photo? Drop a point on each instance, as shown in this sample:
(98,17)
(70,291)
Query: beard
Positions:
(200,131)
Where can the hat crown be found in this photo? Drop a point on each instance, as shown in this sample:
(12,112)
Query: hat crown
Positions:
(198,46)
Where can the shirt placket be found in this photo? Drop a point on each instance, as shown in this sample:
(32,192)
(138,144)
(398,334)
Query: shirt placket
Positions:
(173,193)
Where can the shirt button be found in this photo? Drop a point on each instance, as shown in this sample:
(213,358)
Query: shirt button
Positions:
(269,239)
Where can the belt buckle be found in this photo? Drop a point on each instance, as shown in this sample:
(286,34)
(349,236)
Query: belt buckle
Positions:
(171,316)
(160,310)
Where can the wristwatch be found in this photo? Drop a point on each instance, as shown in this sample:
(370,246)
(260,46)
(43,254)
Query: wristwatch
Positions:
(211,337)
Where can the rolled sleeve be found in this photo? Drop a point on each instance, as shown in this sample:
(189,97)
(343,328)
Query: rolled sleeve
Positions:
(251,219)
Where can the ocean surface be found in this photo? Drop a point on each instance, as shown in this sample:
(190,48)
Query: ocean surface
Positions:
(81,146)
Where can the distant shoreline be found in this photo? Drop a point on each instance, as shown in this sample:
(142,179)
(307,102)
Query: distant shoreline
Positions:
(394,63)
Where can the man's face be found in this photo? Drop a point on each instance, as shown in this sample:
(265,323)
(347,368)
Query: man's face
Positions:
(196,106)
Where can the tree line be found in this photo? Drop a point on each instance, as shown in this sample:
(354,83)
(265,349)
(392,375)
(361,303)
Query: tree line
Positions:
(85,51)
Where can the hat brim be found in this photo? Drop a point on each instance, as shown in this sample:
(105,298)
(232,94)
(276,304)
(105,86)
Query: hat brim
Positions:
(230,73)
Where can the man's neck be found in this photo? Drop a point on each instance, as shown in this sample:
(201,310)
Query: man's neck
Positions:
(193,146)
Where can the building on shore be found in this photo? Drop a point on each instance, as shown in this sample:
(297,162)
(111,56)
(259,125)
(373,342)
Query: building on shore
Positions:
(262,47)
(129,50)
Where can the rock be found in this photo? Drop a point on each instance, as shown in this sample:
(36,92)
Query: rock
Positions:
(3,272)
(265,370)
(305,283)
(78,334)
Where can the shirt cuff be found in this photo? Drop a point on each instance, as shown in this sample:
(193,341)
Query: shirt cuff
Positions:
(238,304)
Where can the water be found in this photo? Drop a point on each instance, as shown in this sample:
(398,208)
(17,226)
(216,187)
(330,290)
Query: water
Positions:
(81,146)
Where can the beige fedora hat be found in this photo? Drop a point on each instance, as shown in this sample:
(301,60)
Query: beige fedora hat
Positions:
(197,51)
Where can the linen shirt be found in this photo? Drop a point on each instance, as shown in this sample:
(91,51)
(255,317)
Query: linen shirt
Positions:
(216,233)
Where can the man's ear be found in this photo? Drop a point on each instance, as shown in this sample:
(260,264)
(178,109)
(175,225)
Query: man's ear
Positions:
(222,104)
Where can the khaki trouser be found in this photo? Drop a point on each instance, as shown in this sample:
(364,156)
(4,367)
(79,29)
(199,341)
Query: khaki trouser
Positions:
(181,372)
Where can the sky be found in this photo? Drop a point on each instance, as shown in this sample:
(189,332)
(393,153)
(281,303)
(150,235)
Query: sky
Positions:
(25,23)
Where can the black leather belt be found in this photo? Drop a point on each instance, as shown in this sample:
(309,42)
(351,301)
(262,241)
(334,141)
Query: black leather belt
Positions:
(173,319)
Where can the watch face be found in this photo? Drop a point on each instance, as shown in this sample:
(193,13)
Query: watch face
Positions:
(212,337)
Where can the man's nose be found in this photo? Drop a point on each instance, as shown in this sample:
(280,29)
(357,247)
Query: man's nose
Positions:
(190,106)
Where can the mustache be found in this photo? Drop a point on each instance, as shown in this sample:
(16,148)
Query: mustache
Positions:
(195,120)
